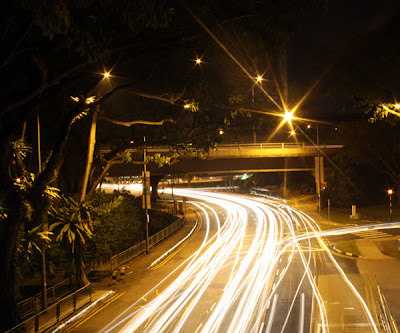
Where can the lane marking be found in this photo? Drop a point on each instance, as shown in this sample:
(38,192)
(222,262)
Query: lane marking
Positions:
(272,314)
(111,300)
(302,305)
(195,232)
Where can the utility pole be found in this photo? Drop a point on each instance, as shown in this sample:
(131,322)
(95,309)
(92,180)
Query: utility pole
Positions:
(45,226)
(145,194)
(254,125)
(319,172)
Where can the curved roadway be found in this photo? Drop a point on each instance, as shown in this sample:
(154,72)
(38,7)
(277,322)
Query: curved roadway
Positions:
(261,266)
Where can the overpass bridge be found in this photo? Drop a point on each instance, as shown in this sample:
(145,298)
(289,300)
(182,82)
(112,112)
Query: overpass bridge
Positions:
(240,158)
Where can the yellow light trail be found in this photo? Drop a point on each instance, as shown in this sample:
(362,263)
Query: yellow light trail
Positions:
(245,254)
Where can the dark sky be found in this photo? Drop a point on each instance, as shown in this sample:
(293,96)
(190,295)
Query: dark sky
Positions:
(333,32)
(327,40)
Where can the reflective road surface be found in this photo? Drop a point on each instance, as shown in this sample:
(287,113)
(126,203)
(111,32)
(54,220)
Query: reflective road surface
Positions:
(261,267)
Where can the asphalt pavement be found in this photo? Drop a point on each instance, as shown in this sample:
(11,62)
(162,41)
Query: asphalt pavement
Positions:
(372,262)
(139,280)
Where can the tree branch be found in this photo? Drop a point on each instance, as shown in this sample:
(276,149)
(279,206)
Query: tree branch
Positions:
(170,100)
(16,46)
(37,92)
(389,171)
(104,173)
(135,122)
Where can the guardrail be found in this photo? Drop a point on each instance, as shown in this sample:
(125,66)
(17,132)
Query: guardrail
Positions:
(388,323)
(55,313)
(32,305)
(129,254)
(261,145)
(267,145)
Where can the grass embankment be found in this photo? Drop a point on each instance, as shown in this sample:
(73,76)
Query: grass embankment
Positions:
(349,246)
(367,215)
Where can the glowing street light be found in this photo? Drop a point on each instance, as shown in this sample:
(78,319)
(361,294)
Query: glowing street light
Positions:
(390,192)
(292,133)
(221,132)
(258,80)
(106,75)
(288,116)
(186,106)
(198,61)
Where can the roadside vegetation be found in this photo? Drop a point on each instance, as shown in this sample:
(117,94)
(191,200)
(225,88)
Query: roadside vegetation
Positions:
(105,226)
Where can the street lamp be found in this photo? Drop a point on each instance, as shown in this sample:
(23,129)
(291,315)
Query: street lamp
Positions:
(319,169)
(45,225)
(288,117)
(146,187)
(257,80)
(390,192)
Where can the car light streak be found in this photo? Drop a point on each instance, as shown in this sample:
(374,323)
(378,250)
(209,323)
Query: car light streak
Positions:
(367,312)
(160,259)
(245,256)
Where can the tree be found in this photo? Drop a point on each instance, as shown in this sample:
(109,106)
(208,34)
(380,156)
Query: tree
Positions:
(369,149)
(46,45)
(363,76)
(48,48)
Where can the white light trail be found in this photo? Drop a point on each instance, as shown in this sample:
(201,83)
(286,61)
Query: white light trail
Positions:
(244,254)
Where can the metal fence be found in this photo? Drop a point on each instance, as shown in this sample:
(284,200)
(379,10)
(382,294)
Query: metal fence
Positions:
(267,145)
(55,313)
(385,318)
(33,305)
(134,251)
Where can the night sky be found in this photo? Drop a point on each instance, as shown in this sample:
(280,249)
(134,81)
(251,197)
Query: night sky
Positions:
(324,43)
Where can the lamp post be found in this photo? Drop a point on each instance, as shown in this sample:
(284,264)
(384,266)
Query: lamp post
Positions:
(318,177)
(258,79)
(390,192)
(145,194)
(319,172)
(45,225)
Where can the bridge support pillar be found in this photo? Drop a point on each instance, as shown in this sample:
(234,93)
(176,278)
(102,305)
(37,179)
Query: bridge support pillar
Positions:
(154,180)
(319,173)
(189,179)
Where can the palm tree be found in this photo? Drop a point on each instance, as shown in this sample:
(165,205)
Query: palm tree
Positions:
(73,225)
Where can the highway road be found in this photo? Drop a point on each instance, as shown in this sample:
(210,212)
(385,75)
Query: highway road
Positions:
(257,265)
